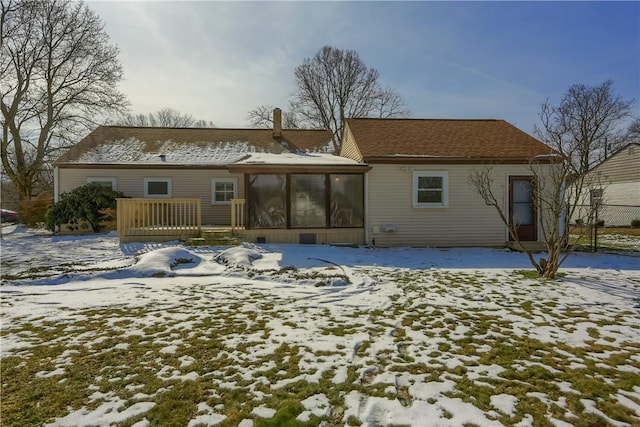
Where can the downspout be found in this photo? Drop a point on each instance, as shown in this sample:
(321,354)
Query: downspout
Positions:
(563,214)
(366,209)
(56,190)
(56,184)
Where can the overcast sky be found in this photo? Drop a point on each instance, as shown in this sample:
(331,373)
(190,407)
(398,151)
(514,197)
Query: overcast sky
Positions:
(217,60)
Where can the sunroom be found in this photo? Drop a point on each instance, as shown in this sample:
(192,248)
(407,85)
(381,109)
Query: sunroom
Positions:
(302,198)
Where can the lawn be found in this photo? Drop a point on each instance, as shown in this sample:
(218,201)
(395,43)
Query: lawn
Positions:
(97,333)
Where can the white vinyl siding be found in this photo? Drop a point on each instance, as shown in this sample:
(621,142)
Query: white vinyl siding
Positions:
(467,221)
(349,148)
(619,177)
(185,183)
(623,166)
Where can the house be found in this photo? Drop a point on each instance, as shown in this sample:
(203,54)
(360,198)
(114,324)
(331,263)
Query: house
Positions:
(418,189)
(296,189)
(616,183)
(396,182)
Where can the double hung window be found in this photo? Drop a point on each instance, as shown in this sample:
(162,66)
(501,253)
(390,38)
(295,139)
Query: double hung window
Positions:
(430,189)
(223,190)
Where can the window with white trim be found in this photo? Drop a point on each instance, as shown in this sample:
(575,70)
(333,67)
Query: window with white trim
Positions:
(157,187)
(223,190)
(101,180)
(430,189)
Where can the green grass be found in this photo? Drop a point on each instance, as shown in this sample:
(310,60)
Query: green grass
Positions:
(236,360)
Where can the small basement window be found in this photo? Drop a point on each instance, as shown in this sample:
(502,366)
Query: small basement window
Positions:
(430,189)
(106,181)
(223,190)
(157,187)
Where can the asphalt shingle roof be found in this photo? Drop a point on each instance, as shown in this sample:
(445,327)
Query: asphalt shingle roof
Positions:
(443,138)
(122,144)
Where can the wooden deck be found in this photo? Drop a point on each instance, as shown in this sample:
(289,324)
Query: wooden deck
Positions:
(158,220)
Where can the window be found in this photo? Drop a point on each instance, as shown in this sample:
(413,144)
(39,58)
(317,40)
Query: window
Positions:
(308,201)
(430,189)
(595,196)
(223,190)
(157,187)
(347,200)
(267,194)
(107,182)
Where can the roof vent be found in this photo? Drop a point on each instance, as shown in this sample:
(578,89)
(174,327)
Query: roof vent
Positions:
(163,158)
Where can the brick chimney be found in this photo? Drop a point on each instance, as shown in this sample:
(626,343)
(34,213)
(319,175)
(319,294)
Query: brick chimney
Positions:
(277,123)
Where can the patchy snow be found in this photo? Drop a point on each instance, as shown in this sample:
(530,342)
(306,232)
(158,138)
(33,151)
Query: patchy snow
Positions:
(504,403)
(263,412)
(300,158)
(406,335)
(108,413)
(134,151)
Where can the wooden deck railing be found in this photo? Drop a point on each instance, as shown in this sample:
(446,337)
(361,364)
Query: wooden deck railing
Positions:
(143,220)
(237,214)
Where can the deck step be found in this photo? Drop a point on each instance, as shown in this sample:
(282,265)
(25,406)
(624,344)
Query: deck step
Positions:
(221,240)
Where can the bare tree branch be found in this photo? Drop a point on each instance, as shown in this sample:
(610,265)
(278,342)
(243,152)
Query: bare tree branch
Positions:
(586,120)
(165,117)
(331,86)
(557,195)
(262,117)
(58,77)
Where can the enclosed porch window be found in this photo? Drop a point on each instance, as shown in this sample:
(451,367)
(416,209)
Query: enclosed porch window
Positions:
(306,200)
(267,195)
(347,200)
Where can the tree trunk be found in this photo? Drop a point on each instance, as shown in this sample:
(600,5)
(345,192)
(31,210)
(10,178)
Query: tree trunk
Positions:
(552,264)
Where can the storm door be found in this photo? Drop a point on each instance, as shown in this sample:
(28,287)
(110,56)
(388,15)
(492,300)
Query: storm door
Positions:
(522,208)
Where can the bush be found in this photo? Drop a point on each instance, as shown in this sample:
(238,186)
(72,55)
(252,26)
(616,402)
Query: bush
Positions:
(34,212)
(635,223)
(90,204)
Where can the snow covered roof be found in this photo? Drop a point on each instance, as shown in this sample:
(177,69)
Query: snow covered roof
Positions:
(121,145)
(299,158)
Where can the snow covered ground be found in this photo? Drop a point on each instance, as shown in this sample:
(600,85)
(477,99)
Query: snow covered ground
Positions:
(98,333)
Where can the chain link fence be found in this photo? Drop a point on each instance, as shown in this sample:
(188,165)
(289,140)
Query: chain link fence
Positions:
(607,215)
(8,197)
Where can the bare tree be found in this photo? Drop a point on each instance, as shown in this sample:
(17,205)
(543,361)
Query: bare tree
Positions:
(262,117)
(58,76)
(203,124)
(336,84)
(558,195)
(390,104)
(633,132)
(586,120)
(134,120)
(577,129)
(331,86)
(166,117)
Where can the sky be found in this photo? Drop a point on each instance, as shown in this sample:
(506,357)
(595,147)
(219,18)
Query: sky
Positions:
(218,60)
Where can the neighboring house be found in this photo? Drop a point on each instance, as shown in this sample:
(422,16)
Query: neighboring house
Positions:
(616,182)
(396,182)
